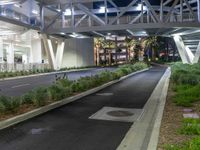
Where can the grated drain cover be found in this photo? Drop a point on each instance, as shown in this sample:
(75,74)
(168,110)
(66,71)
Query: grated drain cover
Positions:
(117,114)
(120,113)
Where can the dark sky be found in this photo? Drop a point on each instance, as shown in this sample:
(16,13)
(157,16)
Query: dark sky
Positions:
(123,3)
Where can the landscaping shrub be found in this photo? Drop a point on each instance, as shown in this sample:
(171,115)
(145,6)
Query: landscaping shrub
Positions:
(41,96)
(190,127)
(64,82)
(9,104)
(186,95)
(194,144)
(28,98)
(58,92)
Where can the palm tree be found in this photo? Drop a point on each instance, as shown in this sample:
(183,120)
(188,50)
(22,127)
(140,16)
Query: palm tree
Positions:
(152,43)
(130,44)
(108,45)
(100,43)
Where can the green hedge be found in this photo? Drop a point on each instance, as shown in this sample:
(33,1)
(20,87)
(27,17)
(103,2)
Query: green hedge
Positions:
(64,88)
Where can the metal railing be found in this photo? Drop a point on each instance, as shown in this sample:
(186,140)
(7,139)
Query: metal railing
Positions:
(187,17)
(22,67)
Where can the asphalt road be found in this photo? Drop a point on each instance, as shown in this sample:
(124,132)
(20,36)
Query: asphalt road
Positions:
(68,127)
(17,87)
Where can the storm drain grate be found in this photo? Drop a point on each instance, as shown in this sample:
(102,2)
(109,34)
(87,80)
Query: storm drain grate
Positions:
(117,114)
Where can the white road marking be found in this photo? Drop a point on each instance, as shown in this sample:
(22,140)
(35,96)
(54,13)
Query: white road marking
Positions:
(21,85)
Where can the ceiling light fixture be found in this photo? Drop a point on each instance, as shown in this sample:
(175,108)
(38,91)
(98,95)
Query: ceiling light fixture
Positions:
(68,12)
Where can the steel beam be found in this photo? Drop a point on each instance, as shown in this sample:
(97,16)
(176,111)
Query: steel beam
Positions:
(56,17)
(171,10)
(190,8)
(92,15)
(80,20)
(184,4)
(137,17)
(161,10)
(123,11)
(167,2)
(198,10)
(124,27)
(152,10)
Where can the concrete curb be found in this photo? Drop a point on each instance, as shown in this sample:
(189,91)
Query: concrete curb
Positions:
(43,74)
(39,111)
(144,133)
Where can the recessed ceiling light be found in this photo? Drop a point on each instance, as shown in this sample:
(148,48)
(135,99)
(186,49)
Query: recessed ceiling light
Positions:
(35,12)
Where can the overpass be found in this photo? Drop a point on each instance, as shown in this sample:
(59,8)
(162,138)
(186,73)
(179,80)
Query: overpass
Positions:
(179,19)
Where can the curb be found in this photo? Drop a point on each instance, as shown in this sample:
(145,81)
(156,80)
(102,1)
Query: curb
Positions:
(43,74)
(39,111)
(144,133)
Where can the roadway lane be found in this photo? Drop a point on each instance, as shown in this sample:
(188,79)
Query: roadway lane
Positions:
(17,87)
(68,127)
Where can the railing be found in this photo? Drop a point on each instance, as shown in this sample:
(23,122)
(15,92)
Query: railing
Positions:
(22,67)
(187,17)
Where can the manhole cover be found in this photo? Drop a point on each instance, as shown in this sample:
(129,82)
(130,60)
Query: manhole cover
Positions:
(117,114)
(120,113)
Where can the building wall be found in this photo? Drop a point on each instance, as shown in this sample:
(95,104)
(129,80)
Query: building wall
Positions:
(78,53)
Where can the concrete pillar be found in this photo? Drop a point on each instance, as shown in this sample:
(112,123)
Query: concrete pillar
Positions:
(197,54)
(1,50)
(10,53)
(49,50)
(59,54)
(36,51)
(181,49)
(54,61)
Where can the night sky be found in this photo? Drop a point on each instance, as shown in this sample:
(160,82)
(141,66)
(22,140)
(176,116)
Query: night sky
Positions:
(123,3)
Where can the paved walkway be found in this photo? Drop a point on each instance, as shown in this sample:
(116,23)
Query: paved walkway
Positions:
(68,128)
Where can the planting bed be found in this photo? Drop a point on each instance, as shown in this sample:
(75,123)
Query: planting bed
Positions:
(63,88)
(177,132)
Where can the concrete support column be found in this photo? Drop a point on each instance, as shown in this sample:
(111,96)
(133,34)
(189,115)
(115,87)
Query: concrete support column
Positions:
(10,53)
(36,51)
(59,54)
(55,61)
(1,50)
(49,50)
(181,49)
(197,54)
